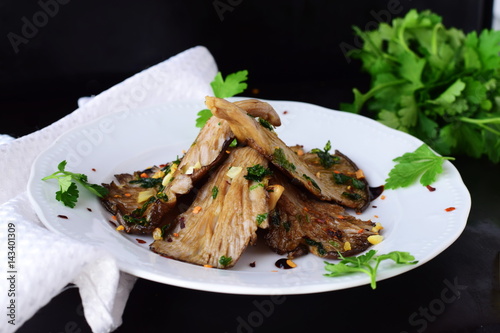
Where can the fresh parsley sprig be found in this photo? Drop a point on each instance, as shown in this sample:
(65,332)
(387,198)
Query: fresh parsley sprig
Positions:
(68,191)
(367,263)
(325,158)
(423,163)
(436,83)
(231,86)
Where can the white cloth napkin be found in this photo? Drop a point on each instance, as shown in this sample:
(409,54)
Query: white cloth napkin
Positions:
(43,262)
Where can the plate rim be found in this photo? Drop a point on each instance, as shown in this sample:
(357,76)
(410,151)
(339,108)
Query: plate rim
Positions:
(246,290)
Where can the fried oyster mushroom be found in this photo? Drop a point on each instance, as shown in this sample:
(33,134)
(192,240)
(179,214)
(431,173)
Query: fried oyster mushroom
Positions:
(223,218)
(267,143)
(300,224)
(141,216)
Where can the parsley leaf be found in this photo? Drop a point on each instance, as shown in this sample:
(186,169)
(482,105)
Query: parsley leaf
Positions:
(436,83)
(68,191)
(422,163)
(367,263)
(231,86)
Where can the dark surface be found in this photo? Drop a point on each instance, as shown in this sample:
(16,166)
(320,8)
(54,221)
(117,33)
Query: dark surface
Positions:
(292,51)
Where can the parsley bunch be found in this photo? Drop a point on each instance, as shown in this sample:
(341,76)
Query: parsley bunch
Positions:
(68,191)
(231,86)
(436,83)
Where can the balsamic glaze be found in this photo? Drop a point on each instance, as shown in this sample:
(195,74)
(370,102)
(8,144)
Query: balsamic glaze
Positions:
(282,263)
(375,192)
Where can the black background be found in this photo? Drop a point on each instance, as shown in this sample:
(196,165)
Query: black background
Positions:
(292,50)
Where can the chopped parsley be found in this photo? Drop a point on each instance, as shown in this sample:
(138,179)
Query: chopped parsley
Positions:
(264,123)
(261,218)
(224,261)
(280,158)
(148,182)
(215,191)
(257,173)
(325,158)
(344,179)
(318,245)
(309,179)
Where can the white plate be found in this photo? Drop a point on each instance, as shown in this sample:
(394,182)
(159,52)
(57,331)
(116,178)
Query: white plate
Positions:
(414,218)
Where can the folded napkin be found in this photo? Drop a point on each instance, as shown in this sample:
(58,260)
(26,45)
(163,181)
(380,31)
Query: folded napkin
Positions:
(39,263)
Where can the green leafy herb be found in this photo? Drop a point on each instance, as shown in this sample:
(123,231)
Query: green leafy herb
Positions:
(367,263)
(280,158)
(309,179)
(351,195)
(231,86)
(224,261)
(68,191)
(325,158)
(422,163)
(261,218)
(253,187)
(257,173)
(215,192)
(436,83)
(264,123)
(318,245)
(344,179)
(148,182)
(203,117)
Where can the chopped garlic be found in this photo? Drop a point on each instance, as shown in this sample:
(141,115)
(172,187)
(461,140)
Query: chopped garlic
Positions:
(275,192)
(158,174)
(170,175)
(157,234)
(347,246)
(233,171)
(377,227)
(359,174)
(145,195)
(191,169)
(375,239)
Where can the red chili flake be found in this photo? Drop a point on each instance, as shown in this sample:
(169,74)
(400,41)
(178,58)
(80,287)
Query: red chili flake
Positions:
(140,241)
(93,169)
(430,188)
(89,209)
(285,112)
(62,216)
(450,209)
(252,264)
